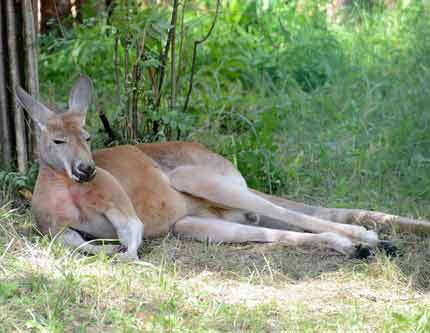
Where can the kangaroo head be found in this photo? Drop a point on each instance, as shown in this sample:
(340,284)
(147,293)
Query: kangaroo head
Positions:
(63,142)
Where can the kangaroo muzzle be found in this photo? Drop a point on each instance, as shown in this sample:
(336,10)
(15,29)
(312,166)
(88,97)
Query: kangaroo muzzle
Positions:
(83,172)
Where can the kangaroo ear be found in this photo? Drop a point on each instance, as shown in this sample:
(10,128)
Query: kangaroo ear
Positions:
(37,111)
(80,95)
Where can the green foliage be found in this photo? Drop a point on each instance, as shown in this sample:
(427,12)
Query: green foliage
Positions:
(11,181)
(334,113)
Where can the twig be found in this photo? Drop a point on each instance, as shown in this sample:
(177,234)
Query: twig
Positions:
(126,42)
(126,45)
(60,24)
(134,102)
(166,52)
(152,78)
(173,59)
(181,43)
(136,76)
(193,64)
(106,124)
(116,63)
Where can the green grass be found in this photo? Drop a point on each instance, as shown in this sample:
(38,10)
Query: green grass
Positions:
(182,286)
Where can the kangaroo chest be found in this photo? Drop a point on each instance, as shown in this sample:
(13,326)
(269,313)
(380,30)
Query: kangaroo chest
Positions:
(59,202)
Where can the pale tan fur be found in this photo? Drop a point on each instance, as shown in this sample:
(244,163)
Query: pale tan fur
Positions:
(148,190)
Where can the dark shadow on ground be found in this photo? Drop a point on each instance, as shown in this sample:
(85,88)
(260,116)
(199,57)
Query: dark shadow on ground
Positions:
(278,262)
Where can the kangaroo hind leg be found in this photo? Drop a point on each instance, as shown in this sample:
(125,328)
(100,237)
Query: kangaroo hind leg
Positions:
(221,231)
(223,191)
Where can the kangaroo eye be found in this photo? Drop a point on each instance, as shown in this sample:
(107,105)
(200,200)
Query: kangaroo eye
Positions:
(88,139)
(59,141)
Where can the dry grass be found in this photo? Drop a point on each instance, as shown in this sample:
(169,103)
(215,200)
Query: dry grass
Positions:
(184,286)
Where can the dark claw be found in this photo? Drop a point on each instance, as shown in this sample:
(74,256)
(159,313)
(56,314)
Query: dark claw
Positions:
(361,252)
(252,217)
(388,248)
(122,249)
(364,251)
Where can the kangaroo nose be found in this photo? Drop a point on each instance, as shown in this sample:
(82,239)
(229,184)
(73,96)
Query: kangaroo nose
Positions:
(84,171)
(87,169)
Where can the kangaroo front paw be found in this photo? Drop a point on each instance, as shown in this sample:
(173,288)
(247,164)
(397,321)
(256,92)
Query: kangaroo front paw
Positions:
(369,236)
(337,242)
(110,250)
(127,256)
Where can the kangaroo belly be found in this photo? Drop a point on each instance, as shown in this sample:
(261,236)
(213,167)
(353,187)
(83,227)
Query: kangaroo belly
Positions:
(98,226)
(157,204)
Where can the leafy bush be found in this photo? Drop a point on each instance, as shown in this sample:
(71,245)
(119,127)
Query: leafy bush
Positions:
(12,182)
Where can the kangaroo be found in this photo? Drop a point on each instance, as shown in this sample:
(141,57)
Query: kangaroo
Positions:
(147,190)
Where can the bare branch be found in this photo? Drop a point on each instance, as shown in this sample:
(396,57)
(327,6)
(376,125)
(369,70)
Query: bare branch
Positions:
(181,43)
(117,79)
(173,58)
(193,63)
(126,66)
(152,77)
(60,23)
(166,52)
(136,77)
(106,124)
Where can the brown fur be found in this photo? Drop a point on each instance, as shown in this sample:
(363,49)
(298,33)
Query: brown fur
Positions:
(157,204)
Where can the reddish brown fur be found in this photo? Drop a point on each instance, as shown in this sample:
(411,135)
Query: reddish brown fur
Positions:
(170,155)
(58,201)
(157,204)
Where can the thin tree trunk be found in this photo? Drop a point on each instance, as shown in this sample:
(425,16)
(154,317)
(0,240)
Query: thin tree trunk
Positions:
(5,133)
(18,115)
(126,64)
(32,70)
(153,78)
(173,57)
(166,53)
(36,15)
(117,75)
(134,103)
(181,44)
(136,77)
